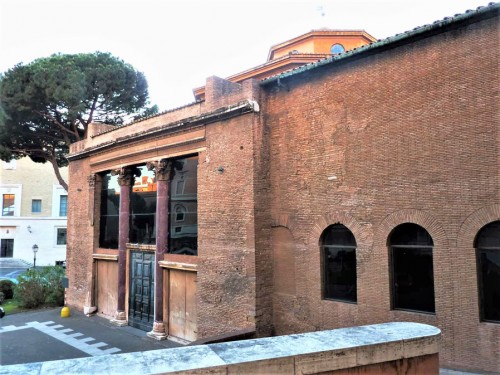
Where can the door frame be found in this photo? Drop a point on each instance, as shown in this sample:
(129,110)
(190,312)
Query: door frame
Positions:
(145,326)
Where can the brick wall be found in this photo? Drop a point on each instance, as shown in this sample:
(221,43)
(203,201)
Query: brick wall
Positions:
(80,235)
(234,292)
(409,134)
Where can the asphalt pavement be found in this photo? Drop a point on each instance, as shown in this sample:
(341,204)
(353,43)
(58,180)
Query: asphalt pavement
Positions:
(11,268)
(42,335)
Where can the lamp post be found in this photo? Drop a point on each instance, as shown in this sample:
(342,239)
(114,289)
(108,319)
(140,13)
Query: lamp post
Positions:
(35,249)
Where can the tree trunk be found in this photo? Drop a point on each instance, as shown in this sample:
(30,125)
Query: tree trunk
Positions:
(58,174)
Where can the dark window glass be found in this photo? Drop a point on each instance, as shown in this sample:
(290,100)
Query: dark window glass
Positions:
(487,245)
(61,236)
(110,206)
(63,205)
(412,268)
(184,223)
(8,204)
(179,213)
(7,248)
(339,264)
(143,208)
(36,206)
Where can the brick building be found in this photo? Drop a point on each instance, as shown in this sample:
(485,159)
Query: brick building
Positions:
(34,208)
(358,189)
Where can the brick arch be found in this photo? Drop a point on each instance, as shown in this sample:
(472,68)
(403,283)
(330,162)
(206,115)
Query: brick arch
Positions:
(362,233)
(474,222)
(284,266)
(422,218)
(380,255)
(285,220)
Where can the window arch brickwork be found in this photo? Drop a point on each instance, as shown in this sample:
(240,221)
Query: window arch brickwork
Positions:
(411,267)
(473,224)
(487,244)
(363,235)
(338,252)
(380,257)
(465,258)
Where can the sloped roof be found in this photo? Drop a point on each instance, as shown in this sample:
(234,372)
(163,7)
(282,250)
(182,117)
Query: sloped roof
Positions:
(482,12)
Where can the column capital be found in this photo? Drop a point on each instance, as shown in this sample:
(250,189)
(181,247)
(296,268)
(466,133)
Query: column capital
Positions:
(91,180)
(126,175)
(162,169)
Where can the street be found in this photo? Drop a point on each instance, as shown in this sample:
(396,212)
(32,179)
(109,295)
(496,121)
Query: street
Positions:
(11,273)
(42,335)
(11,268)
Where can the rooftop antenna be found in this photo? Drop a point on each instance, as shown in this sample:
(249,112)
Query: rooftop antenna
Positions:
(321,10)
(322,13)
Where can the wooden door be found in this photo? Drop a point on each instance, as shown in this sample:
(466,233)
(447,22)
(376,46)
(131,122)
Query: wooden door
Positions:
(106,287)
(141,296)
(182,305)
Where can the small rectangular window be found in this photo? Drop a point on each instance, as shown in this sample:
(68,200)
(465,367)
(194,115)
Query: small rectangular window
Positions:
(8,204)
(180,187)
(63,205)
(61,236)
(7,248)
(36,206)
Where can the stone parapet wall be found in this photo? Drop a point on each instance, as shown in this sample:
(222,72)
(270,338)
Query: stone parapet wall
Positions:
(390,348)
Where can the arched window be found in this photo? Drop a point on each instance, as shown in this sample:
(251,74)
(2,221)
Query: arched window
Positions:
(180,211)
(412,275)
(338,248)
(487,244)
(337,48)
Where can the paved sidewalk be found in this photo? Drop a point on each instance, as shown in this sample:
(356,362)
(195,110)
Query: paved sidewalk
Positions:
(14,263)
(43,335)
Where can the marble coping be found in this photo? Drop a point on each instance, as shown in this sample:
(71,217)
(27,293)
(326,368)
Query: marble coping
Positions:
(309,353)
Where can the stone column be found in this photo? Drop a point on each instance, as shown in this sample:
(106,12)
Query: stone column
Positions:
(163,170)
(125,180)
(90,307)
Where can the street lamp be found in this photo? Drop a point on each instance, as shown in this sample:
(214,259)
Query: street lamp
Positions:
(35,249)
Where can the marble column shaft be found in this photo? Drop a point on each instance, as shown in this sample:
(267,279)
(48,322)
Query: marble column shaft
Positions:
(125,180)
(163,177)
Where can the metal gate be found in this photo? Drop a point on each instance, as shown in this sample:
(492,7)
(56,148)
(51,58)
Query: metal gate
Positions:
(141,296)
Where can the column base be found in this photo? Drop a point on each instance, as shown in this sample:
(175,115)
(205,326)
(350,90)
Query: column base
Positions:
(158,332)
(120,319)
(89,310)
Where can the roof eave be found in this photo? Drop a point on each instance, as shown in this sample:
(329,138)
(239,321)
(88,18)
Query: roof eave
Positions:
(417,33)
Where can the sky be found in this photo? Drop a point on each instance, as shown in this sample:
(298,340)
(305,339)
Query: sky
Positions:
(178,44)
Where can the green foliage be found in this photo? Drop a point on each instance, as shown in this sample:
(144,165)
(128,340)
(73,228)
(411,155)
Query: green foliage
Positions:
(41,286)
(30,292)
(55,290)
(48,104)
(2,298)
(7,288)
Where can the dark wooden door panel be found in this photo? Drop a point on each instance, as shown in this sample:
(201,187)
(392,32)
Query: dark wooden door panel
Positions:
(141,297)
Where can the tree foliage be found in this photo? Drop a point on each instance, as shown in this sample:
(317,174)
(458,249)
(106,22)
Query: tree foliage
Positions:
(40,286)
(48,104)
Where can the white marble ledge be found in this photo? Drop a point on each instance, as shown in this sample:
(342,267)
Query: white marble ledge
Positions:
(364,344)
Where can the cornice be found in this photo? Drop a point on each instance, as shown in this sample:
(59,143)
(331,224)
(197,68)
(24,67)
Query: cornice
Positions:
(220,114)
